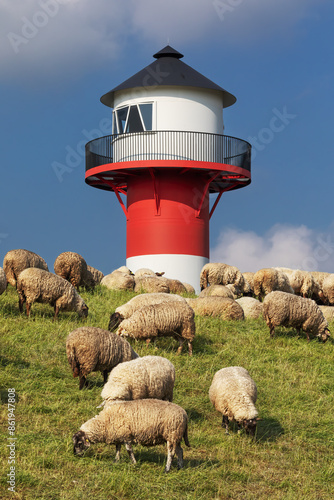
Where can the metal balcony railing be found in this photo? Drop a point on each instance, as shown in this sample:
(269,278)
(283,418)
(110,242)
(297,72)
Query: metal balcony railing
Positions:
(168,145)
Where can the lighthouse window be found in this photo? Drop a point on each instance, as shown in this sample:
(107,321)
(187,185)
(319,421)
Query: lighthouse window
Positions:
(136,118)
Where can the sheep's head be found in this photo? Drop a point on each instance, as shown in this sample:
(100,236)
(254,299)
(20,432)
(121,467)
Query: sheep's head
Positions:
(115,320)
(324,335)
(83,311)
(250,425)
(80,443)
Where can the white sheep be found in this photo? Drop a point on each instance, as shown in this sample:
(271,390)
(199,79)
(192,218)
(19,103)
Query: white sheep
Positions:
(217,273)
(233,393)
(37,285)
(3,281)
(328,312)
(285,309)
(90,349)
(328,289)
(267,280)
(172,319)
(217,291)
(118,280)
(126,310)
(141,378)
(144,271)
(148,422)
(252,308)
(15,261)
(151,284)
(220,307)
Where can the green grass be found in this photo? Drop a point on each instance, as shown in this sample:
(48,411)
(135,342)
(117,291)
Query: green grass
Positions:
(291,458)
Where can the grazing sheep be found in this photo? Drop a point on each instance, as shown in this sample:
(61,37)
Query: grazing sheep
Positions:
(3,281)
(233,393)
(268,280)
(217,291)
(15,261)
(221,307)
(143,271)
(37,285)
(119,280)
(285,309)
(167,319)
(72,267)
(319,276)
(94,275)
(248,276)
(144,299)
(143,378)
(303,283)
(221,274)
(151,284)
(148,422)
(328,289)
(252,307)
(189,288)
(90,349)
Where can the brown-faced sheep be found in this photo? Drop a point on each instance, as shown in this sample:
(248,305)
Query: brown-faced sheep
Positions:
(167,319)
(37,285)
(148,422)
(15,261)
(233,393)
(285,309)
(91,349)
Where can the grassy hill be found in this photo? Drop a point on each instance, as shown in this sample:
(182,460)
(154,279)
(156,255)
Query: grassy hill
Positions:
(291,458)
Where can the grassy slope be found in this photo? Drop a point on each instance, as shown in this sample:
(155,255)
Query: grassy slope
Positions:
(291,459)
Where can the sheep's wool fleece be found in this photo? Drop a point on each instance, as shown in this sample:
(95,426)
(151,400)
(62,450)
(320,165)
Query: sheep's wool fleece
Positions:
(328,312)
(142,378)
(216,273)
(164,319)
(328,288)
(145,421)
(3,281)
(145,299)
(96,349)
(252,308)
(118,280)
(41,286)
(222,307)
(280,308)
(15,261)
(267,280)
(217,291)
(150,284)
(233,393)
(72,267)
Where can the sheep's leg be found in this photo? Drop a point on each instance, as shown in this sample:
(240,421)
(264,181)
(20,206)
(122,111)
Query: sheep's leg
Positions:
(225,422)
(82,381)
(170,455)
(179,454)
(56,309)
(21,302)
(105,376)
(181,342)
(190,348)
(118,452)
(130,452)
(147,342)
(28,306)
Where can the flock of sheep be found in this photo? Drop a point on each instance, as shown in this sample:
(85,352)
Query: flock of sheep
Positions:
(138,391)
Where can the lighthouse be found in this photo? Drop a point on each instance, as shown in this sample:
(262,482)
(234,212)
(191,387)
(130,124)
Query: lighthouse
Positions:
(166,155)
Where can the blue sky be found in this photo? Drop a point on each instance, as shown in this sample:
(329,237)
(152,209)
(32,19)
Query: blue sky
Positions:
(57,57)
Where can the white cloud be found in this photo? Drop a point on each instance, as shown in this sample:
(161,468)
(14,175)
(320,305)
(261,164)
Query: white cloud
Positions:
(296,247)
(61,38)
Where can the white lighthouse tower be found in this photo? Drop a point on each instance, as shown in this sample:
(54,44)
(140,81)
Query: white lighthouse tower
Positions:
(167,153)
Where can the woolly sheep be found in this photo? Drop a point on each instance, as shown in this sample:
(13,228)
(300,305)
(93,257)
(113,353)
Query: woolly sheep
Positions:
(221,274)
(15,261)
(221,307)
(94,275)
(233,393)
(90,349)
(144,299)
(252,307)
(285,309)
(118,280)
(248,276)
(143,378)
(176,286)
(303,283)
(3,281)
(151,284)
(37,285)
(328,289)
(319,276)
(267,280)
(148,422)
(217,291)
(189,288)
(328,312)
(143,271)
(172,319)
(72,267)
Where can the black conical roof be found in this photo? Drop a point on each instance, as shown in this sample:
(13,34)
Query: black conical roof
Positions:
(168,70)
